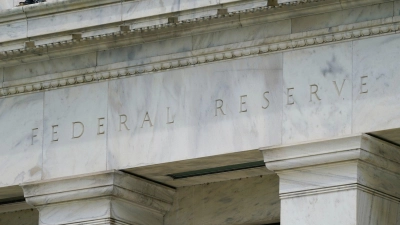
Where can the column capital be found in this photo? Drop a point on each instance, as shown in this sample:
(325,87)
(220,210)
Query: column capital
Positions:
(112,197)
(363,147)
(360,161)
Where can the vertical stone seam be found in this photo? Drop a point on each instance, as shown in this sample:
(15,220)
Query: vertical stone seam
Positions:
(43,118)
(26,19)
(121,1)
(107,126)
(352,76)
(2,79)
(282,91)
(393,12)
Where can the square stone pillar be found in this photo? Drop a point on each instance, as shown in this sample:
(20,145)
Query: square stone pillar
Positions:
(110,198)
(346,181)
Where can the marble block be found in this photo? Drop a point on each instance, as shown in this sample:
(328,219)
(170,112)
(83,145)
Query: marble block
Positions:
(317,95)
(347,16)
(74,20)
(74,130)
(326,208)
(145,50)
(194,4)
(376,84)
(348,207)
(140,9)
(50,66)
(374,209)
(6,4)
(241,201)
(21,132)
(12,30)
(241,34)
(195,112)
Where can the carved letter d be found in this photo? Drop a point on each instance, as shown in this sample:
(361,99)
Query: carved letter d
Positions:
(73,130)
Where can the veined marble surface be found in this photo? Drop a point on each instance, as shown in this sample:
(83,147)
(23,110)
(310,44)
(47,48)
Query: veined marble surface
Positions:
(139,9)
(74,20)
(241,201)
(56,65)
(322,92)
(349,207)
(74,140)
(376,84)
(21,152)
(13,30)
(327,208)
(211,109)
(6,4)
(194,112)
(317,99)
(347,16)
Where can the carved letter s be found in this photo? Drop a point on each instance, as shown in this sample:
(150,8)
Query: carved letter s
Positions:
(266,99)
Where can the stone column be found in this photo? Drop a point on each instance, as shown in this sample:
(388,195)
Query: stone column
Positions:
(347,181)
(106,198)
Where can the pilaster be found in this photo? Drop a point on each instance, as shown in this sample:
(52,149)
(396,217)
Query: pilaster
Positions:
(352,180)
(106,198)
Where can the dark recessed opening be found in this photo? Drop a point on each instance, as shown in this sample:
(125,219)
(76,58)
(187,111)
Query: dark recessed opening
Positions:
(12,200)
(214,170)
(29,2)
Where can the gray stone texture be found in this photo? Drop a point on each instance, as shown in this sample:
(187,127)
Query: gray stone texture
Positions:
(347,16)
(51,66)
(23,217)
(243,201)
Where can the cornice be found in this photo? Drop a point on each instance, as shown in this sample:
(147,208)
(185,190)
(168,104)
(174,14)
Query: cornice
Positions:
(327,158)
(248,49)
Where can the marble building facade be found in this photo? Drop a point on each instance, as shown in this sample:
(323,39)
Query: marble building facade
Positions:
(200,112)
